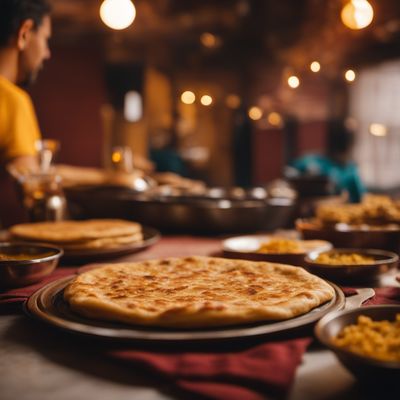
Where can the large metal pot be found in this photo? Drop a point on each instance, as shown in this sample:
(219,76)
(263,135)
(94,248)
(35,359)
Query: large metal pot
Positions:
(217,210)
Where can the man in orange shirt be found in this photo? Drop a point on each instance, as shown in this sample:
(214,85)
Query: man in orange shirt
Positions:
(25,29)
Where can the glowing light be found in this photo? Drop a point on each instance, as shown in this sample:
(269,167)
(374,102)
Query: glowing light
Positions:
(357,14)
(293,81)
(315,66)
(255,113)
(378,130)
(188,97)
(274,119)
(206,100)
(116,157)
(350,75)
(233,101)
(117,14)
(208,40)
(133,107)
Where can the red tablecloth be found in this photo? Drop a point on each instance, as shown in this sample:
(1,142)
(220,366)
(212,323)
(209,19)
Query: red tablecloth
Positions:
(258,371)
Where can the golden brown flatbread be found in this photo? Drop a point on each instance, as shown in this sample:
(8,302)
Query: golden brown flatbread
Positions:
(75,231)
(196,292)
(105,243)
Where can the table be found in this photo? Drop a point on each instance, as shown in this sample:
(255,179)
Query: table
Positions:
(38,363)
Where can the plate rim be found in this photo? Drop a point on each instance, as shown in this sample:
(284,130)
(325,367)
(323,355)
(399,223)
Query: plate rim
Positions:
(154,237)
(36,308)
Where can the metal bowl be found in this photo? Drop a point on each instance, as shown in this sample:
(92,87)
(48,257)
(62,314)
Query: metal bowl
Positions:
(386,237)
(247,248)
(28,263)
(361,366)
(216,211)
(359,273)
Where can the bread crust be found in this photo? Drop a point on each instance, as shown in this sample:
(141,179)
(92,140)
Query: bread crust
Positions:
(196,291)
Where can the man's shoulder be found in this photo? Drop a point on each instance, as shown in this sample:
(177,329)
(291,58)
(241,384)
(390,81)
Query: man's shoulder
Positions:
(11,93)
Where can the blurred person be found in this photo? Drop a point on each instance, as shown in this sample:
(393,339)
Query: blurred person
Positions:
(336,163)
(242,147)
(164,153)
(25,29)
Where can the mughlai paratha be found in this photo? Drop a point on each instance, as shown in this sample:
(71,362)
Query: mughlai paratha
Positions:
(75,231)
(108,243)
(196,292)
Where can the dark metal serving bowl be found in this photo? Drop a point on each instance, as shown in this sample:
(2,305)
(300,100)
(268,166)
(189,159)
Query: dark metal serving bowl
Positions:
(384,261)
(385,237)
(22,263)
(362,367)
(217,210)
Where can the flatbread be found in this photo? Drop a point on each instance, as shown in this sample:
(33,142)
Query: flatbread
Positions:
(75,231)
(104,243)
(196,292)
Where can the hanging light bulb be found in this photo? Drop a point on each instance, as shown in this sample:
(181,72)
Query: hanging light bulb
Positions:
(350,75)
(117,14)
(293,81)
(357,14)
(315,66)
(188,97)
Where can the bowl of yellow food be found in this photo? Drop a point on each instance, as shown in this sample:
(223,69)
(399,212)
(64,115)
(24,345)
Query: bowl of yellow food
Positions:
(22,264)
(351,265)
(272,248)
(366,340)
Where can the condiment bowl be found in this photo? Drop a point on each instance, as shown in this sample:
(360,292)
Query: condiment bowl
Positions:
(362,367)
(385,237)
(248,248)
(22,263)
(383,262)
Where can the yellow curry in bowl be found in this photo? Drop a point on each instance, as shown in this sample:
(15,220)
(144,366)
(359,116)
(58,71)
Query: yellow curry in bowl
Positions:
(375,339)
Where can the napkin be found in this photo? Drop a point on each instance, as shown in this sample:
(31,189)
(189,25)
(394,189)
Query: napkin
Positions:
(255,371)
(13,299)
(259,372)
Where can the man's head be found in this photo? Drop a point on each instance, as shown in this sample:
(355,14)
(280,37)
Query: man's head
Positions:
(25,26)
(340,141)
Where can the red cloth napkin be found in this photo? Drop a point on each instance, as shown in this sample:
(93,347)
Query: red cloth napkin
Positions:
(14,298)
(255,373)
(260,371)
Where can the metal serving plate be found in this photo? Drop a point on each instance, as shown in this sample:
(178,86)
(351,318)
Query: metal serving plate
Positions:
(48,305)
(150,236)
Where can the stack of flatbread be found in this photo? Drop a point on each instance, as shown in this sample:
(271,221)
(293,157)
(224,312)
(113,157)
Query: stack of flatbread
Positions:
(81,235)
(196,292)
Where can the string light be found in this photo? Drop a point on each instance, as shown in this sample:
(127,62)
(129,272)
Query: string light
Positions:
(274,118)
(206,100)
(357,14)
(315,66)
(255,113)
(208,40)
(117,14)
(232,101)
(293,81)
(350,75)
(188,97)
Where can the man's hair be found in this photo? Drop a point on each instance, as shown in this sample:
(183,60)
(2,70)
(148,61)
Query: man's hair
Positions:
(14,12)
(340,138)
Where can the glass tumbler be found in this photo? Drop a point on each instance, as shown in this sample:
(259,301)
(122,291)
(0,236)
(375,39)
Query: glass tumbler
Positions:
(44,197)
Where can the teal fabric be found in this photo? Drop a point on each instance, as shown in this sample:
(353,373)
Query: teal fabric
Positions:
(168,160)
(344,176)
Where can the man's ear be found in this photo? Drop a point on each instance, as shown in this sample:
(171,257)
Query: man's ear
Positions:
(24,33)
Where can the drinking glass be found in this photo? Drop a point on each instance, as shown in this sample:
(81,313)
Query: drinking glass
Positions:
(46,148)
(43,197)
